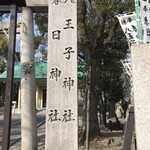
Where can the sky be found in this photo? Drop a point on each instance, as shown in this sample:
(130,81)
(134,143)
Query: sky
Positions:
(38,55)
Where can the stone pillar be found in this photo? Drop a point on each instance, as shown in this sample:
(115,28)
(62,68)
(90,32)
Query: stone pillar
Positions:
(141,87)
(129,129)
(61,110)
(28,88)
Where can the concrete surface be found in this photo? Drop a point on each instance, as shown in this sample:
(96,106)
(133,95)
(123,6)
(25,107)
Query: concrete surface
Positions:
(141,86)
(15,142)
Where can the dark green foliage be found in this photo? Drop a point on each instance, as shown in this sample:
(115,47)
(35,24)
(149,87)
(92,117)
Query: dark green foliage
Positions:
(3,46)
(2,93)
(3,58)
(41,20)
(111,71)
(40,38)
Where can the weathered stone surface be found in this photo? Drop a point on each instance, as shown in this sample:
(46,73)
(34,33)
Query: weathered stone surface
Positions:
(37,2)
(129,129)
(61,113)
(141,86)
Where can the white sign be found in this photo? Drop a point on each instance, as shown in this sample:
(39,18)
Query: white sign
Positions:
(61,111)
(129,27)
(127,84)
(145,20)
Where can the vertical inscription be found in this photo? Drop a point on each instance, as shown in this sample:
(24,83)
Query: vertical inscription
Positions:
(61,111)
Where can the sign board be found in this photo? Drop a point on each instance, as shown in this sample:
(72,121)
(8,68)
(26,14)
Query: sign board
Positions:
(141,87)
(128,24)
(145,17)
(61,110)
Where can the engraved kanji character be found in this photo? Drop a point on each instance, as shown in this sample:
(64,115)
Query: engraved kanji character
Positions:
(68,51)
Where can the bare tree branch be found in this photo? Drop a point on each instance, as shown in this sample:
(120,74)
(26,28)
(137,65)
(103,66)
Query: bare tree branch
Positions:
(111,34)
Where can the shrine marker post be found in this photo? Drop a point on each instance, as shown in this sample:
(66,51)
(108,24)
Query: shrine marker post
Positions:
(61,110)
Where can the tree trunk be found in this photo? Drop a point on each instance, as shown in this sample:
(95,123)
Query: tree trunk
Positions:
(88,115)
(104,109)
(94,98)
